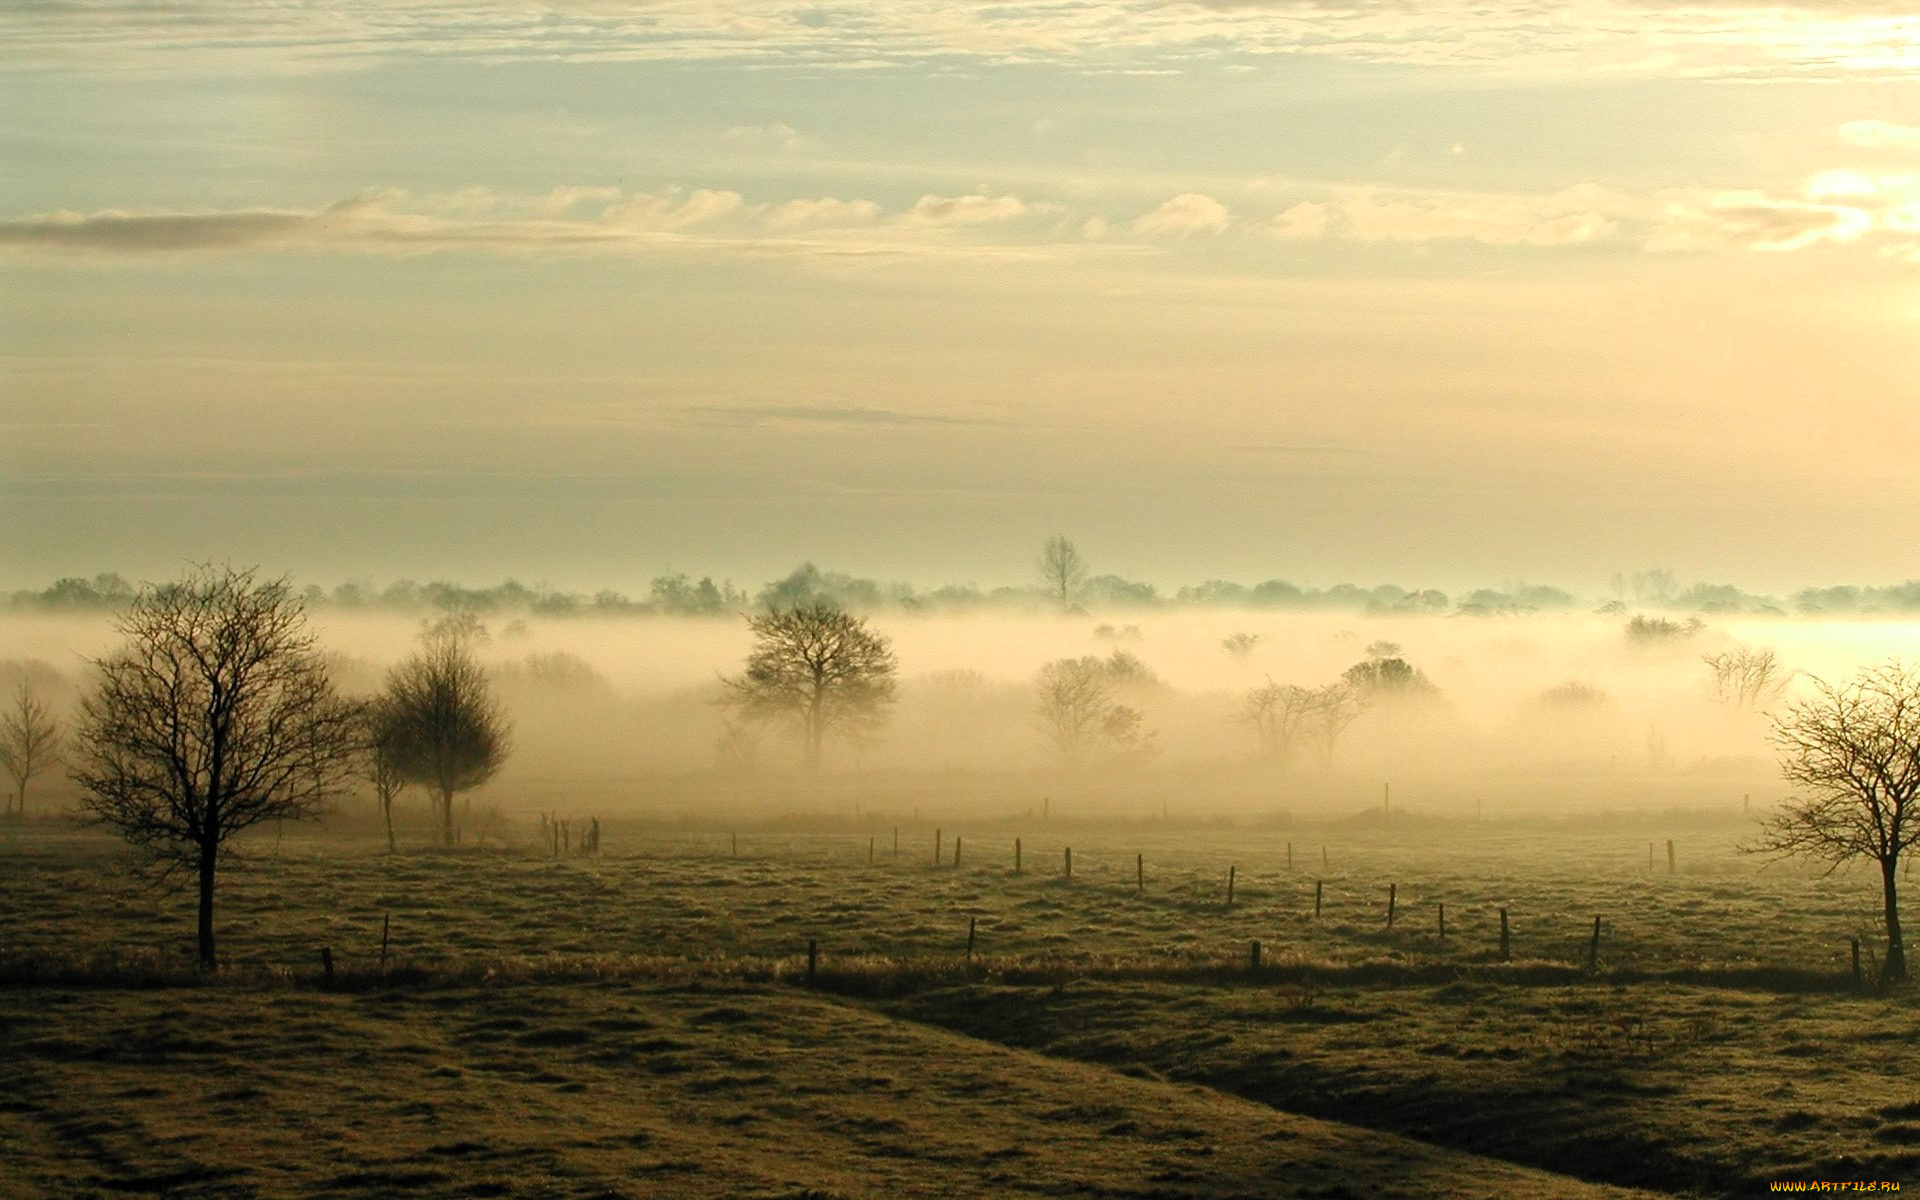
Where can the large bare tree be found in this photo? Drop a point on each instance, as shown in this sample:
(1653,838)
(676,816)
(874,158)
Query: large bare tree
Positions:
(30,741)
(1279,713)
(1075,698)
(1062,569)
(447,732)
(1852,752)
(215,715)
(818,668)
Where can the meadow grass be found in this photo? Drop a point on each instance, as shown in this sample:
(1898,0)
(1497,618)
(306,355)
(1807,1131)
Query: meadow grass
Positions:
(1719,1043)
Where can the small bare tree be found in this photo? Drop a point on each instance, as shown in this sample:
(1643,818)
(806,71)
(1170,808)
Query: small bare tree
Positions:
(1279,713)
(449,733)
(30,740)
(1853,752)
(1062,569)
(1745,678)
(215,715)
(383,760)
(1075,699)
(819,668)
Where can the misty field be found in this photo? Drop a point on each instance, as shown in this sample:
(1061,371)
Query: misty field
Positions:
(1718,1042)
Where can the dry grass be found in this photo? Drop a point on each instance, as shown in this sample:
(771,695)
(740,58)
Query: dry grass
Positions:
(1719,1045)
(618,1090)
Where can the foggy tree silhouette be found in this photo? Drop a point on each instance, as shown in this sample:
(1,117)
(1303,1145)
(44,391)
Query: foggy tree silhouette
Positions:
(382,763)
(450,735)
(1746,678)
(1062,569)
(818,667)
(215,715)
(1279,713)
(1854,751)
(1075,698)
(30,741)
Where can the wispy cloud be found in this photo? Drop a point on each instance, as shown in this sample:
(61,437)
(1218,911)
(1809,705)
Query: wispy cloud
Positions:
(830,415)
(1736,38)
(1877,208)
(673,221)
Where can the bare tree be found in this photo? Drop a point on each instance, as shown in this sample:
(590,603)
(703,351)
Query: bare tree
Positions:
(1062,569)
(383,756)
(1335,706)
(1075,699)
(1853,752)
(30,741)
(450,735)
(1279,713)
(1745,678)
(216,714)
(820,669)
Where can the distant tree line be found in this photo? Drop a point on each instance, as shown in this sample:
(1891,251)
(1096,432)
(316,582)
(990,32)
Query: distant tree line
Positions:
(1065,582)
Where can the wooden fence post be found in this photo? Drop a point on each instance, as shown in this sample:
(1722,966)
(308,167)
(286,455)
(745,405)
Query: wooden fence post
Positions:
(1016,856)
(386,925)
(936,847)
(970,930)
(1253,957)
(1670,861)
(1443,919)
(1317,885)
(813,958)
(1289,856)
(1139,872)
(896,841)
(1323,858)
(870,842)
(956,851)
(1593,947)
(1069,861)
(326,963)
(1504,944)
(1393,894)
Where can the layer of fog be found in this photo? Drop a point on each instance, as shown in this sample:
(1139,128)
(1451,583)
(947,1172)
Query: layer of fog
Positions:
(617,712)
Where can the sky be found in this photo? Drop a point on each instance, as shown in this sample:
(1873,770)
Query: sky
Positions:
(586,292)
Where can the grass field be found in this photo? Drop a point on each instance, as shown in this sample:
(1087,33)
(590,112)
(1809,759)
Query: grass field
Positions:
(1720,1043)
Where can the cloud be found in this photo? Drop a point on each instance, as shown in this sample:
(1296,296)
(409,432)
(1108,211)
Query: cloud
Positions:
(966,210)
(1304,220)
(1559,220)
(1571,39)
(1837,207)
(842,415)
(825,212)
(701,221)
(1753,221)
(1881,135)
(1183,215)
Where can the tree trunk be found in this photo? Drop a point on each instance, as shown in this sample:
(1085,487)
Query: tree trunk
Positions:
(386,809)
(446,815)
(815,735)
(1896,969)
(209,855)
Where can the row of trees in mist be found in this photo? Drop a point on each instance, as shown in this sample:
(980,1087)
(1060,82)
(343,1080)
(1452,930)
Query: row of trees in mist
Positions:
(219,712)
(683,595)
